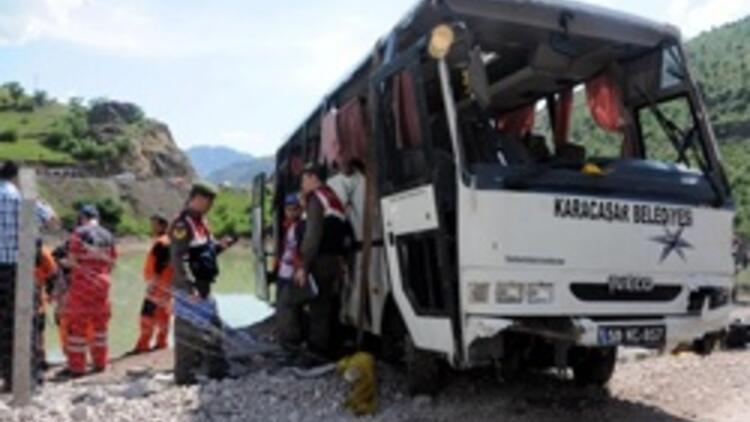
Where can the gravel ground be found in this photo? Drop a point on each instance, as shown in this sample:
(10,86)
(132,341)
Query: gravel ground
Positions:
(665,388)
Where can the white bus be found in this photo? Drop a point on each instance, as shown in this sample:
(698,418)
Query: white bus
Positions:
(545,187)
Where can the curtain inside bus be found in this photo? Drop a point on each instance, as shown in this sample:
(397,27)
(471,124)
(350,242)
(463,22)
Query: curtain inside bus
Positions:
(518,122)
(406,111)
(604,99)
(352,131)
(330,146)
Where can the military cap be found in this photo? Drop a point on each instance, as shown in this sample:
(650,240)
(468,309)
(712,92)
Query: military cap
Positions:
(204,189)
(89,211)
(316,170)
(160,218)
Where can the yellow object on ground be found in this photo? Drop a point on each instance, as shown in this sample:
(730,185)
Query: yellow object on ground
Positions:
(359,371)
(593,170)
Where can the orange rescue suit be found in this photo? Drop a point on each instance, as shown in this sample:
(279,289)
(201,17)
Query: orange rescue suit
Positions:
(157,305)
(44,273)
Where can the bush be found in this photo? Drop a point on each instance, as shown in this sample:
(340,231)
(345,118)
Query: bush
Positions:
(130,227)
(58,140)
(8,135)
(25,105)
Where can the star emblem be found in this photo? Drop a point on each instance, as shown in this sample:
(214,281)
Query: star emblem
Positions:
(672,242)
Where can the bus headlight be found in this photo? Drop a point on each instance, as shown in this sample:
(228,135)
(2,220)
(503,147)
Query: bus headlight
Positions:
(541,293)
(479,293)
(508,292)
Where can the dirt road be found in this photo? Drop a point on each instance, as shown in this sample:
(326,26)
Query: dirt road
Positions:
(667,388)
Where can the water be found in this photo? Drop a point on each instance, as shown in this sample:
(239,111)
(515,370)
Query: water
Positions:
(233,291)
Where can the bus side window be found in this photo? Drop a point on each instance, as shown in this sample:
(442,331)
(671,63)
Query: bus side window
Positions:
(405,155)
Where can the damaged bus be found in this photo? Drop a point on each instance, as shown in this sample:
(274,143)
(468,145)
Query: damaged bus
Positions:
(533,184)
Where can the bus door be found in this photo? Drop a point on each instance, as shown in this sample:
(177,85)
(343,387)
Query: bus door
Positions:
(416,221)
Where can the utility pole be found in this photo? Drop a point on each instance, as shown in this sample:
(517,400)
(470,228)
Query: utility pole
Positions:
(24,307)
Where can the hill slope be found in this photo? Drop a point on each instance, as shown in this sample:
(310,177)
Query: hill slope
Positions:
(208,159)
(221,165)
(242,173)
(102,138)
(721,62)
(107,153)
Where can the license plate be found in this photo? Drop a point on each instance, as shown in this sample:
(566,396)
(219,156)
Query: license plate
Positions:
(654,335)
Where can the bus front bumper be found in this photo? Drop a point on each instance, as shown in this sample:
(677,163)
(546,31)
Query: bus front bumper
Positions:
(667,332)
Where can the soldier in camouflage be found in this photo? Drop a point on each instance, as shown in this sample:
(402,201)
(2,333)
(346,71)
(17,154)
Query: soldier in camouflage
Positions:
(194,256)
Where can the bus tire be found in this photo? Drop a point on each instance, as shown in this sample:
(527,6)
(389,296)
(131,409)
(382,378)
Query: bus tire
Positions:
(422,369)
(393,333)
(594,365)
(737,337)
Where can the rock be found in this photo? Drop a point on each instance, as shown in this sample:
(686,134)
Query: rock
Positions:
(137,389)
(139,371)
(294,416)
(422,401)
(5,411)
(113,113)
(80,413)
(163,378)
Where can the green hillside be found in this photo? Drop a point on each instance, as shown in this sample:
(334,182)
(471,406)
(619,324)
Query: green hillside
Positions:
(721,61)
(24,123)
(35,128)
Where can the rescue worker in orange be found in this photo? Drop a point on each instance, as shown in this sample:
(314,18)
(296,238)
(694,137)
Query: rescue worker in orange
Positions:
(46,276)
(157,273)
(92,255)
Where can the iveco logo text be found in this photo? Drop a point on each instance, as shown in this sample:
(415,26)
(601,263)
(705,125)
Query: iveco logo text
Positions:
(630,284)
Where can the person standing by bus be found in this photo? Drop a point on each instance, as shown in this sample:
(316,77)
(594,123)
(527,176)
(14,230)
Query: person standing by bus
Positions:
(157,305)
(194,255)
(46,276)
(92,256)
(290,303)
(323,248)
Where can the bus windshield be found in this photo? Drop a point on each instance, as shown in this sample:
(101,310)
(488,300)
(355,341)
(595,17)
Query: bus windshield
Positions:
(631,123)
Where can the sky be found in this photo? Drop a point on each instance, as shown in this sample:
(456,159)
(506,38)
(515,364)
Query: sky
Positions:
(240,73)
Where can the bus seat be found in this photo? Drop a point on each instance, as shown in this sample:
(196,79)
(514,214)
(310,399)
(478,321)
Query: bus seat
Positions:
(513,150)
(537,145)
(570,156)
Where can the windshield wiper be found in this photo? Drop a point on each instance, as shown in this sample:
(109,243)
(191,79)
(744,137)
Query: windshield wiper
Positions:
(682,141)
(677,137)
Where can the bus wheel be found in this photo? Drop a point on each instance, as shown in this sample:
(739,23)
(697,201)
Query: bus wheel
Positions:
(422,369)
(392,346)
(510,368)
(594,365)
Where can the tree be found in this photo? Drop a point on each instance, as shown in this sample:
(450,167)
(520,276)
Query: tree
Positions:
(40,98)
(15,91)
(76,103)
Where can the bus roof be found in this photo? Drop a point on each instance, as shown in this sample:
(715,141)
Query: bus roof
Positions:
(500,23)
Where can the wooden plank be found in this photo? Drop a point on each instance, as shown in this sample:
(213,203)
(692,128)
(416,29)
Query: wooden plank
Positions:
(24,306)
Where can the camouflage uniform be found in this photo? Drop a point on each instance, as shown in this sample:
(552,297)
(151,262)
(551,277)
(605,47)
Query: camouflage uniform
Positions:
(198,328)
